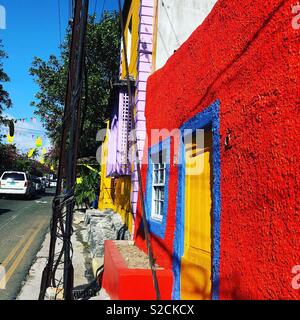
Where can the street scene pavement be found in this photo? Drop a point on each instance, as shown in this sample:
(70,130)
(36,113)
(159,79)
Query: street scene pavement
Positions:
(23,225)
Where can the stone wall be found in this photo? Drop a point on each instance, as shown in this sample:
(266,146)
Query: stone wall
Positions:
(102,225)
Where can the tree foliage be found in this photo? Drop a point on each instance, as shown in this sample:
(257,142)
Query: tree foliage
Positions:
(5,101)
(86,191)
(11,159)
(102,65)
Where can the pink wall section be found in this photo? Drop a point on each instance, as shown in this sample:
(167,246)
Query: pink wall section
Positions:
(144,70)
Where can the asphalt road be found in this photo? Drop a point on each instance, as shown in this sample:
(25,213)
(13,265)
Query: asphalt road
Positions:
(23,225)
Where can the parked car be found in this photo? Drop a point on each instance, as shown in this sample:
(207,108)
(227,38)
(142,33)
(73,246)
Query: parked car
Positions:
(39,188)
(16,183)
(53,183)
(44,184)
(47,182)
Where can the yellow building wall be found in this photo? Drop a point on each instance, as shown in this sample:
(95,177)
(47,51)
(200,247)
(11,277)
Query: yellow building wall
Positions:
(114,192)
(133,16)
(122,203)
(106,184)
(123,185)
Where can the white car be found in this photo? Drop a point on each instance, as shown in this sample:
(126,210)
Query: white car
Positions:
(53,183)
(16,183)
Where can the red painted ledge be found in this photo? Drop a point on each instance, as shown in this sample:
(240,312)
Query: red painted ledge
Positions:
(122,283)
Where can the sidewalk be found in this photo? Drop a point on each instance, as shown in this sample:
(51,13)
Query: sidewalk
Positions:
(82,262)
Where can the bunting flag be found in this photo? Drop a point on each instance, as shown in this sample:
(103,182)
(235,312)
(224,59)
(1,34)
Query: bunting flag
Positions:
(23,120)
(10,139)
(92,169)
(38,142)
(30,153)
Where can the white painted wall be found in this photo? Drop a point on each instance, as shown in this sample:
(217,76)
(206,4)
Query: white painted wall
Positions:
(177,19)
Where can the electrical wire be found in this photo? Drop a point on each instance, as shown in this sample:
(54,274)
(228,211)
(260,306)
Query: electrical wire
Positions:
(72,8)
(59,26)
(103,7)
(95,9)
(27,130)
(172,26)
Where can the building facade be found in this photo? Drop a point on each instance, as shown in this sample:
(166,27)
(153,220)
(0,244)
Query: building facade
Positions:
(230,230)
(146,31)
(219,176)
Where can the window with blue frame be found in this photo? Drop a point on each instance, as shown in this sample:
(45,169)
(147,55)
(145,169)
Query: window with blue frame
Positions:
(157,187)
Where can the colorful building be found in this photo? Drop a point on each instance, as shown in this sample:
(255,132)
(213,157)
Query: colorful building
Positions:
(231,229)
(117,167)
(147,31)
(106,187)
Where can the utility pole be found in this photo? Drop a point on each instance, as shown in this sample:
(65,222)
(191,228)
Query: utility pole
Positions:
(63,203)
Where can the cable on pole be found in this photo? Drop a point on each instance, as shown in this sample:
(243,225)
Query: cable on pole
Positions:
(64,201)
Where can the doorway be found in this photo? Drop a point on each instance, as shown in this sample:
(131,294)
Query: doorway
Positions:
(196,259)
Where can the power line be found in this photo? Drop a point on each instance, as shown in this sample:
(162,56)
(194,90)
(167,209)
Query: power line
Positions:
(70,9)
(172,26)
(31,130)
(102,11)
(59,25)
(95,10)
(27,129)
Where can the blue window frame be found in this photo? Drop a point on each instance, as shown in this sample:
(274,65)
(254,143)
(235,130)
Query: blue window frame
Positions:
(157,189)
(209,117)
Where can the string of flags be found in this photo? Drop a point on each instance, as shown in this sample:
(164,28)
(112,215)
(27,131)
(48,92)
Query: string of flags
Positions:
(31,152)
(38,138)
(37,135)
(12,132)
(23,120)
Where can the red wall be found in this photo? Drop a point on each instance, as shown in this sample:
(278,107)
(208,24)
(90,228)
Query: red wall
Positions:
(163,248)
(247,55)
(122,283)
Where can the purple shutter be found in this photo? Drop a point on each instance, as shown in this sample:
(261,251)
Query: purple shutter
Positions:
(123,134)
(119,156)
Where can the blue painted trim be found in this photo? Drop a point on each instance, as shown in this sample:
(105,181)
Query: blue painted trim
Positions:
(210,117)
(156,227)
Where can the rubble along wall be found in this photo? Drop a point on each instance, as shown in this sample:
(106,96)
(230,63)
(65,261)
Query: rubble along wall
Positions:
(102,225)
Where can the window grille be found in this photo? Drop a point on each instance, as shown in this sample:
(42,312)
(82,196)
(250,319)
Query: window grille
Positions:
(158,185)
(126,127)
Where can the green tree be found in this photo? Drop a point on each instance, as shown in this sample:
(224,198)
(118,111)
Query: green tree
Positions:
(5,101)
(11,159)
(102,66)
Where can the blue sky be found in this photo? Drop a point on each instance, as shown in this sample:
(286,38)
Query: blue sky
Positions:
(32,29)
